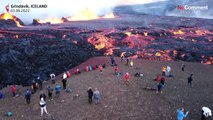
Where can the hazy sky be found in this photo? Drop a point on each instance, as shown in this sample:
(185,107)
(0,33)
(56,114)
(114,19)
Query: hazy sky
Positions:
(64,8)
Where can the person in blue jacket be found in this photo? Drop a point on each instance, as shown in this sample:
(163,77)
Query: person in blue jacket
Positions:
(57,90)
(181,114)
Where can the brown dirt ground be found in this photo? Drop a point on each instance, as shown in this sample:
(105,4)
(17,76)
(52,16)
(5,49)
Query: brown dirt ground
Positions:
(118,101)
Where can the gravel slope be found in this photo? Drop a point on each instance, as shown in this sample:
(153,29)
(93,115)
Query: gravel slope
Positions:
(118,101)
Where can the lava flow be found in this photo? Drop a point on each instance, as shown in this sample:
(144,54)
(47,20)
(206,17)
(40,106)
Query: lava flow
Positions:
(7,16)
(132,38)
(156,44)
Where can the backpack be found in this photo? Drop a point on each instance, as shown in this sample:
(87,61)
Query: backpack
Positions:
(68,90)
(27,94)
(50,89)
(9,114)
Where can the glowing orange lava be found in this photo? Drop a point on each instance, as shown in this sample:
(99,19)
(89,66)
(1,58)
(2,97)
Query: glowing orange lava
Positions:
(100,41)
(158,54)
(109,52)
(145,34)
(128,33)
(7,16)
(179,32)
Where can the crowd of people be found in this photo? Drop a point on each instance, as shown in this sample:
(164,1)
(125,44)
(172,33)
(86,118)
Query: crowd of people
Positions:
(95,94)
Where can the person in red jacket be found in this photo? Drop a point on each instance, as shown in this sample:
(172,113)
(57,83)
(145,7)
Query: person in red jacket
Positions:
(126,76)
(87,69)
(101,69)
(116,70)
(94,67)
(13,89)
(68,74)
(77,71)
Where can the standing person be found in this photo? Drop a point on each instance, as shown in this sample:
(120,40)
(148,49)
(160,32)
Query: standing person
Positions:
(68,74)
(168,69)
(122,58)
(34,87)
(180,113)
(190,80)
(116,70)
(64,82)
(57,90)
(97,96)
(27,96)
(64,76)
(52,76)
(183,67)
(90,94)
(127,61)
(101,69)
(77,71)
(206,113)
(131,63)
(87,69)
(43,106)
(126,76)
(112,61)
(42,95)
(163,70)
(40,83)
(50,92)
(13,89)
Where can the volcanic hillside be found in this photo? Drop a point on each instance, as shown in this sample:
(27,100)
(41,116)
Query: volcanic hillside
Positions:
(118,101)
(25,51)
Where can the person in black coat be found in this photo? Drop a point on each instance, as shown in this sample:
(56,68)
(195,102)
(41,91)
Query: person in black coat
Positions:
(183,67)
(34,87)
(28,96)
(90,94)
(64,82)
(190,80)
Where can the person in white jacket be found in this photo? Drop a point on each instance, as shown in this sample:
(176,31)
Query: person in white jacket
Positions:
(206,113)
(97,96)
(52,76)
(168,69)
(64,75)
(43,106)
